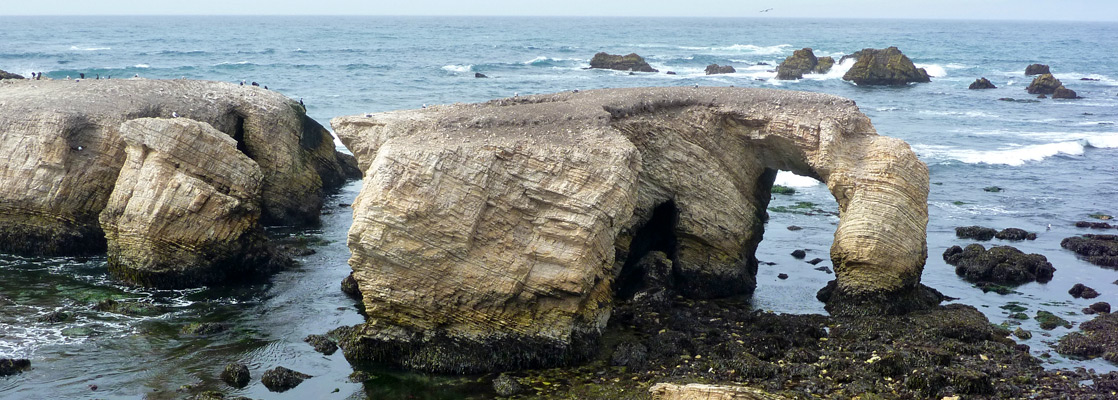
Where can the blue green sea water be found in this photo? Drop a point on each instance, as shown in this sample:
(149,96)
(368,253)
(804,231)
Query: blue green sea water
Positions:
(1053,159)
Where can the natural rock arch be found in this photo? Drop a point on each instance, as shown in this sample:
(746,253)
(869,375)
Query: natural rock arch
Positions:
(497,229)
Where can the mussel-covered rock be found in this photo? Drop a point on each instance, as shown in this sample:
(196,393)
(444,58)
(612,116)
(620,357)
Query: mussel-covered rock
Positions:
(1000,264)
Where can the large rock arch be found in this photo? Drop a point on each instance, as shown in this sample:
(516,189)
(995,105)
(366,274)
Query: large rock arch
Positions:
(488,235)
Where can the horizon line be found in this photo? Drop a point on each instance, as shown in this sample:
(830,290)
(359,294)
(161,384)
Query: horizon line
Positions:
(569,16)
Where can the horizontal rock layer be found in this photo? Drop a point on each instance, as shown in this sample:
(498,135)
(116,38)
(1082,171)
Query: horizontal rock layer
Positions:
(490,235)
(61,151)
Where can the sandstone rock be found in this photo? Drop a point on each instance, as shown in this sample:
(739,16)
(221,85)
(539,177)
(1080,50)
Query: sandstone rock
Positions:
(801,62)
(1064,93)
(1037,69)
(185,209)
(982,83)
(999,264)
(1044,84)
(629,62)
(720,69)
(488,236)
(698,391)
(280,379)
(1101,250)
(9,75)
(61,152)
(883,67)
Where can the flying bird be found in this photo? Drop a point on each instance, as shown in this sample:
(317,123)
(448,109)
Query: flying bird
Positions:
(766,10)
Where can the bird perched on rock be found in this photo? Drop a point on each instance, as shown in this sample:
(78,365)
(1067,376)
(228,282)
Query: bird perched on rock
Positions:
(174,114)
(255,84)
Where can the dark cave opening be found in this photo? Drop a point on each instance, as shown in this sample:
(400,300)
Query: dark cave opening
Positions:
(658,234)
(239,135)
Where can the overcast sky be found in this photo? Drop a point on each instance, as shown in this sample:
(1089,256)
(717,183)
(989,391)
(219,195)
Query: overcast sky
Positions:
(1076,10)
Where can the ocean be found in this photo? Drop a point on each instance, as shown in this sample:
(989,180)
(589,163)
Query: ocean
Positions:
(1054,161)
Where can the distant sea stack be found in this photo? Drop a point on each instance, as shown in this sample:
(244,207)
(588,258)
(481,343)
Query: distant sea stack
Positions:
(715,69)
(1037,69)
(802,62)
(982,83)
(541,201)
(64,152)
(629,62)
(883,67)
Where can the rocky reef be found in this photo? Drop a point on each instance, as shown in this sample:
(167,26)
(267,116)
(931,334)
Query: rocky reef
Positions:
(883,67)
(714,69)
(1101,250)
(981,83)
(63,151)
(1098,338)
(491,236)
(628,62)
(802,62)
(998,265)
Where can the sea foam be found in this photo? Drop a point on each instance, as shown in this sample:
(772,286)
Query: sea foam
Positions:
(458,68)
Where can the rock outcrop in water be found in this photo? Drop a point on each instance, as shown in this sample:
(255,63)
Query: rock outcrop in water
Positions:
(981,83)
(883,67)
(61,152)
(1101,250)
(802,62)
(629,62)
(1037,69)
(185,209)
(1044,84)
(490,235)
(714,69)
(998,265)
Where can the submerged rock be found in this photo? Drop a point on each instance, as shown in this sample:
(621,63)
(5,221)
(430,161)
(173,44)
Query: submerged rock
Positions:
(505,385)
(603,178)
(54,317)
(1037,69)
(629,62)
(982,83)
(321,344)
(1049,321)
(12,366)
(281,379)
(1101,250)
(1097,338)
(883,67)
(975,232)
(63,152)
(1080,290)
(126,307)
(1093,225)
(235,375)
(1044,84)
(802,62)
(1015,234)
(185,209)
(714,69)
(204,328)
(999,264)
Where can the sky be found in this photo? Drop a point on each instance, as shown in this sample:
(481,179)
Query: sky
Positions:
(1065,10)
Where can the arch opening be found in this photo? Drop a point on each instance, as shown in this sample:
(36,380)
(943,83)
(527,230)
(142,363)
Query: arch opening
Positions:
(641,273)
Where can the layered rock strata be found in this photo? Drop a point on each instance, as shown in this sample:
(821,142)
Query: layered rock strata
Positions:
(185,209)
(491,235)
(61,152)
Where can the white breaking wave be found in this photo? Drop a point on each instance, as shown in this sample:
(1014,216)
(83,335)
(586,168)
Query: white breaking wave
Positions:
(836,72)
(1013,156)
(789,179)
(743,48)
(972,114)
(458,68)
(935,71)
(76,48)
(141,66)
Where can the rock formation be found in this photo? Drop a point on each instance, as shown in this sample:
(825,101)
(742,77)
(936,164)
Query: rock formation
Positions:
(802,62)
(698,391)
(1064,93)
(185,208)
(630,62)
(61,151)
(1015,234)
(982,83)
(489,235)
(720,69)
(975,232)
(1044,84)
(8,75)
(1037,69)
(883,67)
(998,265)
(1101,250)
(1099,338)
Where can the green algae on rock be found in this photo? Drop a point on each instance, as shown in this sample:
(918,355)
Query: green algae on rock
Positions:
(1098,338)
(802,62)
(1101,250)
